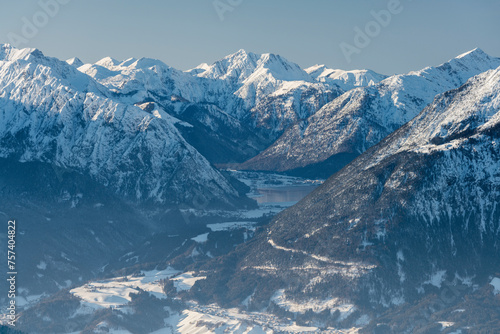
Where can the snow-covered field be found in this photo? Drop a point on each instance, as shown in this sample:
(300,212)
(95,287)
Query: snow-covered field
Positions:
(314,305)
(213,319)
(115,293)
(186,281)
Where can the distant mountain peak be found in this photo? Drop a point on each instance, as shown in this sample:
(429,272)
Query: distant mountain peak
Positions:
(241,52)
(108,62)
(474,52)
(143,62)
(198,69)
(346,80)
(473,57)
(456,71)
(11,53)
(76,62)
(128,62)
(371,113)
(315,69)
(242,65)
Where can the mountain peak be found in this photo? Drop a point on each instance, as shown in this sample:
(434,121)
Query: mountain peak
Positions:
(242,52)
(474,58)
(474,108)
(243,56)
(315,69)
(4,46)
(127,62)
(346,80)
(76,62)
(108,62)
(243,65)
(143,63)
(11,53)
(456,71)
(198,69)
(474,52)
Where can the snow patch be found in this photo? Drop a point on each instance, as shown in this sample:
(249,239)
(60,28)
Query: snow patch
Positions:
(314,305)
(42,265)
(115,292)
(437,278)
(186,281)
(495,282)
(202,238)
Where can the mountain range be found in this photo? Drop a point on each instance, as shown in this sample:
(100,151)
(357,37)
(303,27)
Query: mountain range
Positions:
(348,125)
(55,114)
(102,163)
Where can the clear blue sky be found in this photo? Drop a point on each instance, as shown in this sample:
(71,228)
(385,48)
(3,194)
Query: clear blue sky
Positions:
(184,33)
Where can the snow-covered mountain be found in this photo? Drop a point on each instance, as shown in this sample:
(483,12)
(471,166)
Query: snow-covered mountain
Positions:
(206,126)
(137,80)
(346,80)
(50,112)
(274,91)
(413,217)
(256,96)
(360,118)
(245,66)
(76,62)
(102,164)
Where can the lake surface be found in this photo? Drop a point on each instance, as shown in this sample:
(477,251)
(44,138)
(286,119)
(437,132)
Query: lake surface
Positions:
(283,194)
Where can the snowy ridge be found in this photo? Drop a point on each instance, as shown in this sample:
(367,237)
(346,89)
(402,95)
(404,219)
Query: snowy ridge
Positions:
(449,123)
(136,79)
(245,86)
(346,80)
(75,62)
(276,92)
(30,60)
(261,91)
(247,66)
